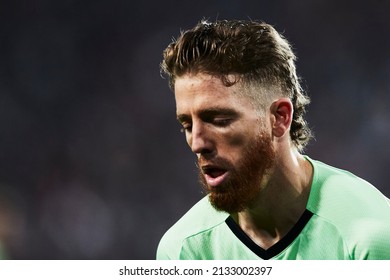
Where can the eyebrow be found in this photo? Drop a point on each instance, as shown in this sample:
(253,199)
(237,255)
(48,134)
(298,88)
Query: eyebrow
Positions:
(208,112)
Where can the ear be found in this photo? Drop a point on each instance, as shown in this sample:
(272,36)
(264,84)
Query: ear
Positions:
(281,116)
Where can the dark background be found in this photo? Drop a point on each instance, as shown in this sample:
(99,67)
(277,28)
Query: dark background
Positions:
(92,163)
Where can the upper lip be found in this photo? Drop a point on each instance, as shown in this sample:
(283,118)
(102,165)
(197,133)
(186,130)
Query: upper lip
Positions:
(210,167)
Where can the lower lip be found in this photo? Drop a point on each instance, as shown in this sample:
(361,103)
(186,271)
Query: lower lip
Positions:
(214,182)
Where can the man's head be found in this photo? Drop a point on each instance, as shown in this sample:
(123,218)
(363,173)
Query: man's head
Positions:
(239,101)
(250,53)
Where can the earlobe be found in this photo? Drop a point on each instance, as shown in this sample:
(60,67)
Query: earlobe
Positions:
(281,112)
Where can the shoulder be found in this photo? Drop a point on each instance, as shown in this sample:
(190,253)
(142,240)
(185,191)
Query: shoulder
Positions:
(358,210)
(200,218)
(335,191)
(371,239)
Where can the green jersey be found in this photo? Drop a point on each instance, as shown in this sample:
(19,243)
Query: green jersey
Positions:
(345,218)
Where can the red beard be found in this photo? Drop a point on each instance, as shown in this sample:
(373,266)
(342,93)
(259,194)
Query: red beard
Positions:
(242,187)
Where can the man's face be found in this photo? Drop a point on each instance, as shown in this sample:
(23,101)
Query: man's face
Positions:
(229,137)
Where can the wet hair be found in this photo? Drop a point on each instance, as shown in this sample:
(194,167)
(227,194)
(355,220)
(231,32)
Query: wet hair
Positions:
(250,52)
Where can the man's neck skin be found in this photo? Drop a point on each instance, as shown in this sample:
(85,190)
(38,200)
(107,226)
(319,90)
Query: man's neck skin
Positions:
(282,200)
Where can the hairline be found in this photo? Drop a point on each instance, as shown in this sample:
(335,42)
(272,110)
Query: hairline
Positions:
(260,95)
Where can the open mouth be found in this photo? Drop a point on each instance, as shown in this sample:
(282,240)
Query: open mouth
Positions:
(214,175)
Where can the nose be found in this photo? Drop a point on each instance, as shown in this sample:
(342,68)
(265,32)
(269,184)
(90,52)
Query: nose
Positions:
(200,140)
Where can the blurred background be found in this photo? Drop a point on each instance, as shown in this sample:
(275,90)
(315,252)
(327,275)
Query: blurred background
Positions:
(92,163)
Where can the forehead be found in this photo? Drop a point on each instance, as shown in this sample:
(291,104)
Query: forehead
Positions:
(192,91)
(199,82)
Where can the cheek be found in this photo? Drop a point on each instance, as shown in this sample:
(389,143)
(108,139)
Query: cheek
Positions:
(188,139)
(244,133)
(235,140)
(240,140)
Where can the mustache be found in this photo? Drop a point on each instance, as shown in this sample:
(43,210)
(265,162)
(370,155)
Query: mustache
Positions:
(218,162)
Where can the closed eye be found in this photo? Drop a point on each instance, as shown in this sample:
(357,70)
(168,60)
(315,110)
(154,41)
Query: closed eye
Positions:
(220,117)
(185,122)
(185,128)
(222,122)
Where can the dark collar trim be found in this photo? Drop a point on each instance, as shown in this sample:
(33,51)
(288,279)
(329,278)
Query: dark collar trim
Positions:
(277,247)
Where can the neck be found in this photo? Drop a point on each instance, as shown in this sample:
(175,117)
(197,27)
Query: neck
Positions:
(281,203)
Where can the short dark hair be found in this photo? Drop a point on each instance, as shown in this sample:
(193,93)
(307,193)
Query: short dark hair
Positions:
(253,52)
